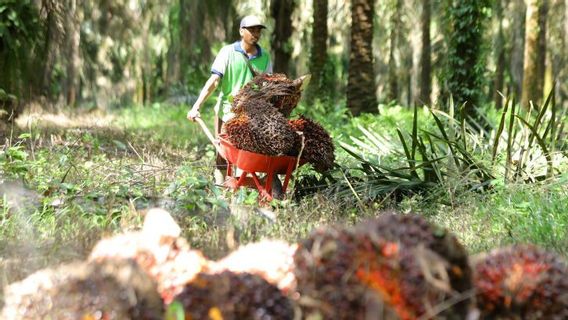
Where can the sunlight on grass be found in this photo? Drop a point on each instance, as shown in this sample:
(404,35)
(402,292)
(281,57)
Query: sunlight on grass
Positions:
(92,181)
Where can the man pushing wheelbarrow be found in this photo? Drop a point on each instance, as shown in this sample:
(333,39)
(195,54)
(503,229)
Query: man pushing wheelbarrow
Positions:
(232,69)
(252,116)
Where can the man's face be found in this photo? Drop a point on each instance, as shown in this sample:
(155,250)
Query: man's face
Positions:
(251,35)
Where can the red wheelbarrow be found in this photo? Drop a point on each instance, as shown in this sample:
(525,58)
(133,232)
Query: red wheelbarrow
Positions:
(251,164)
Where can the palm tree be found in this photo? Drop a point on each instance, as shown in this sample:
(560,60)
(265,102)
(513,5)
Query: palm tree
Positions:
(318,56)
(281,11)
(361,80)
(426,54)
(535,52)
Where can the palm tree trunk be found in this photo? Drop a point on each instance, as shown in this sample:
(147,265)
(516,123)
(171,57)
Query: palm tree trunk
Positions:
(517,48)
(393,76)
(74,61)
(53,41)
(318,55)
(499,57)
(281,11)
(535,45)
(361,95)
(426,54)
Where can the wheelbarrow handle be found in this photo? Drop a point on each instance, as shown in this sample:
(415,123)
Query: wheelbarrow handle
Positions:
(209,135)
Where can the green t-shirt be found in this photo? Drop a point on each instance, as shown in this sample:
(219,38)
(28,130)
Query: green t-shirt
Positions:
(231,66)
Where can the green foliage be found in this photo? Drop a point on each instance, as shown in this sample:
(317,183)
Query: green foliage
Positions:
(5,96)
(20,44)
(154,124)
(462,77)
(454,157)
(175,311)
(13,159)
(433,159)
(531,141)
(90,182)
(195,191)
(516,213)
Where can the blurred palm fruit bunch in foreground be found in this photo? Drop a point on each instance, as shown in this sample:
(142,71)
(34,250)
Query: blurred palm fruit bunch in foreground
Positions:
(111,290)
(356,273)
(521,282)
(262,108)
(440,248)
(273,260)
(159,250)
(229,296)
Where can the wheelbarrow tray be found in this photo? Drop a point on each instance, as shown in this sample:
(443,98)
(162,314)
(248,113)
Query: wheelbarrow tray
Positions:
(252,163)
(256,162)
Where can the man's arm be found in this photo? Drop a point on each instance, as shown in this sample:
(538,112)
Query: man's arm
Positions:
(210,86)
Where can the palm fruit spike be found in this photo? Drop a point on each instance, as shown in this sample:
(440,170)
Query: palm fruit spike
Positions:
(276,89)
(113,289)
(412,231)
(229,296)
(318,146)
(522,282)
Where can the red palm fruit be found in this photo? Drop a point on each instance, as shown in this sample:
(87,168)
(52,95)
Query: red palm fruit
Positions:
(271,131)
(229,295)
(113,290)
(318,146)
(521,282)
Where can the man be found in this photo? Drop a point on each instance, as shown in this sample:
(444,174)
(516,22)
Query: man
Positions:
(231,70)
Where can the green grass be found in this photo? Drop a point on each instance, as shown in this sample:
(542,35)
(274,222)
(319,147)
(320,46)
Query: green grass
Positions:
(90,182)
(516,214)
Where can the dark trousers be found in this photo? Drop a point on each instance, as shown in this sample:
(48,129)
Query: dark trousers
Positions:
(220,162)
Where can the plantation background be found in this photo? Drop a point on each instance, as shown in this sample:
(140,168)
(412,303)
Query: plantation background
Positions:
(461,119)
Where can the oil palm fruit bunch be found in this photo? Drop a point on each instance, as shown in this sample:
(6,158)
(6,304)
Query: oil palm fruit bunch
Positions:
(260,125)
(326,284)
(351,272)
(521,282)
(318,147)
(346,273)
(276,89)
(414,232)
(239,133)
(273,260)
(159,250)
(229,295)
(113,290)
(260,128)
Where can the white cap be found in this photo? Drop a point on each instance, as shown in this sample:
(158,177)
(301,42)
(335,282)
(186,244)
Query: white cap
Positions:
(251,21)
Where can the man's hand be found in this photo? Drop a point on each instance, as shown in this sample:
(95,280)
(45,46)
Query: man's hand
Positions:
(193,114)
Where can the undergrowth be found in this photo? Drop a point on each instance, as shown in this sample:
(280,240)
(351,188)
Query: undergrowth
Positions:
(64,188)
